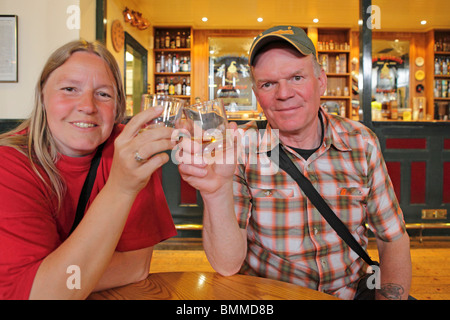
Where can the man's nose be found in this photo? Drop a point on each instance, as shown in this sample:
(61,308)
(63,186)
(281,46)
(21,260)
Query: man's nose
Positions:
(284,90)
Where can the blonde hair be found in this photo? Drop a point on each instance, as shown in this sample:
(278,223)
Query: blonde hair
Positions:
(33,137)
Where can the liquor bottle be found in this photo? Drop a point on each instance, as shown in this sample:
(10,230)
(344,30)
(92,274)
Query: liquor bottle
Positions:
(171,87)
(169,63)
(166,86)
(444,67)
(325,62)
(163,63)
(188,41)
(172,42)
(176,64)
(188,87)
(185,66)
(167,40)
(160,86)
(183,40)
(338,64)
(157,40)
(178,40)
(437,67)
(158,63)
(178,88)
(183,87)
(394,110)
(162,41)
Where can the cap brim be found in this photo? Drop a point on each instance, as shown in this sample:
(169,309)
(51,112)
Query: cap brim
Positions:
(264,40)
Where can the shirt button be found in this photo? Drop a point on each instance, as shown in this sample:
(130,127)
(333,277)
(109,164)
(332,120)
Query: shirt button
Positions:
(268,193)
(324,263)
(315,231)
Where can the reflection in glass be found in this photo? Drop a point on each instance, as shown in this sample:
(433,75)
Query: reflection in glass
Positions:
(229,73)
(390,79)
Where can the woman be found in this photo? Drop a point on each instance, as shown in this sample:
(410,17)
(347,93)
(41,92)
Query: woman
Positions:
(79,105)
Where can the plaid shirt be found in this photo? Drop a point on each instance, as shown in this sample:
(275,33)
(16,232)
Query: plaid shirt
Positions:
(288,239)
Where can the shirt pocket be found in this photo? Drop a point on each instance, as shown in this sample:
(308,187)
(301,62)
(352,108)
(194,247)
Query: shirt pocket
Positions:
(276,223)
(350,205)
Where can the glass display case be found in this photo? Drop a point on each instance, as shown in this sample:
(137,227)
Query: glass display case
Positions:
(229,76)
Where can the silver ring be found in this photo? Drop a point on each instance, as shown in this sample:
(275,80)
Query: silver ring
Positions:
(138,158)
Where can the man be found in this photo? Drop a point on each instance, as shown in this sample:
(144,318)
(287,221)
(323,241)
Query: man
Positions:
(271,229)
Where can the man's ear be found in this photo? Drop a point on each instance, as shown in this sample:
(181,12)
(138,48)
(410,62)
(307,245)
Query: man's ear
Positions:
(322,82)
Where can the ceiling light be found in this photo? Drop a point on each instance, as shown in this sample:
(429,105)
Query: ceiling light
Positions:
(204,19)
(260,19)
(423,22)
(315,20)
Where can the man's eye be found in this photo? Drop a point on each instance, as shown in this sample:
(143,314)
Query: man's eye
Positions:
(68,89)
(266,85)
(298,78)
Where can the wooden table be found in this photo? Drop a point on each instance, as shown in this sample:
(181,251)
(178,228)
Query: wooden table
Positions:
(208,286)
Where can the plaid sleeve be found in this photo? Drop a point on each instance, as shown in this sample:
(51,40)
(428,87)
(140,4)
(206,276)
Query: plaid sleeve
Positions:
(242,198)
(385,216)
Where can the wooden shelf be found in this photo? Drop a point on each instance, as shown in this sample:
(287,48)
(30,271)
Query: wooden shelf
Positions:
(181,52)
(338,74)
(173,50)
(341,39)
(442,53)
(435,36)
(335,97)
(172,74)
(333,51)
(441,76)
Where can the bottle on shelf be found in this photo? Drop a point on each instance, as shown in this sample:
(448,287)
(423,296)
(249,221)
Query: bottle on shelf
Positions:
(325,62)
(188,40)
(175,63)
(172,42)
(437,67)
(183,87)
(157,39)
(178,40)
(166,86)
(167,40)
(188,86)
(178,88)
(183,40)
(163,63)
(171,87)
(158,63)
(338,65)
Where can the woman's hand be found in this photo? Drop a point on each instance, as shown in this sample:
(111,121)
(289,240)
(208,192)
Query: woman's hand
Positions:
(139,151)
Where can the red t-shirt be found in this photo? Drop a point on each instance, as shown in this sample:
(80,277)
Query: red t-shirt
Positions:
(30,227)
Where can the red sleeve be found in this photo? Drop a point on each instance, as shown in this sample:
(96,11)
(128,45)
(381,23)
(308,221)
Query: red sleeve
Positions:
(149,221)
(28,231)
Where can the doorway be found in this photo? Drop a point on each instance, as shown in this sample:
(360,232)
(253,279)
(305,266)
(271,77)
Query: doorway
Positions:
(135,73)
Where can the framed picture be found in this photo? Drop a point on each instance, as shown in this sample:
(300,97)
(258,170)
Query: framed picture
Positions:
(8,48)
(229,74)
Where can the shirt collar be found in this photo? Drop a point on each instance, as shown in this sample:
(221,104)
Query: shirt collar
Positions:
(270,137)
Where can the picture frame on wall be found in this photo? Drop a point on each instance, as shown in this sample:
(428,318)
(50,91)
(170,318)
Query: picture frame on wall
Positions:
(9,64)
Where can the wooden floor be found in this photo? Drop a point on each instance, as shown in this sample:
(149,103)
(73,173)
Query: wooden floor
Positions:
(430,262)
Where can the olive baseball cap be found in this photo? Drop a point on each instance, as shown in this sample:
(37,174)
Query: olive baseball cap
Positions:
(297,37)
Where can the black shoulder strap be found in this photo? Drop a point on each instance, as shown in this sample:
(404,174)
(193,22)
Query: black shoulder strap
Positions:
(288,166)
(87,188)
